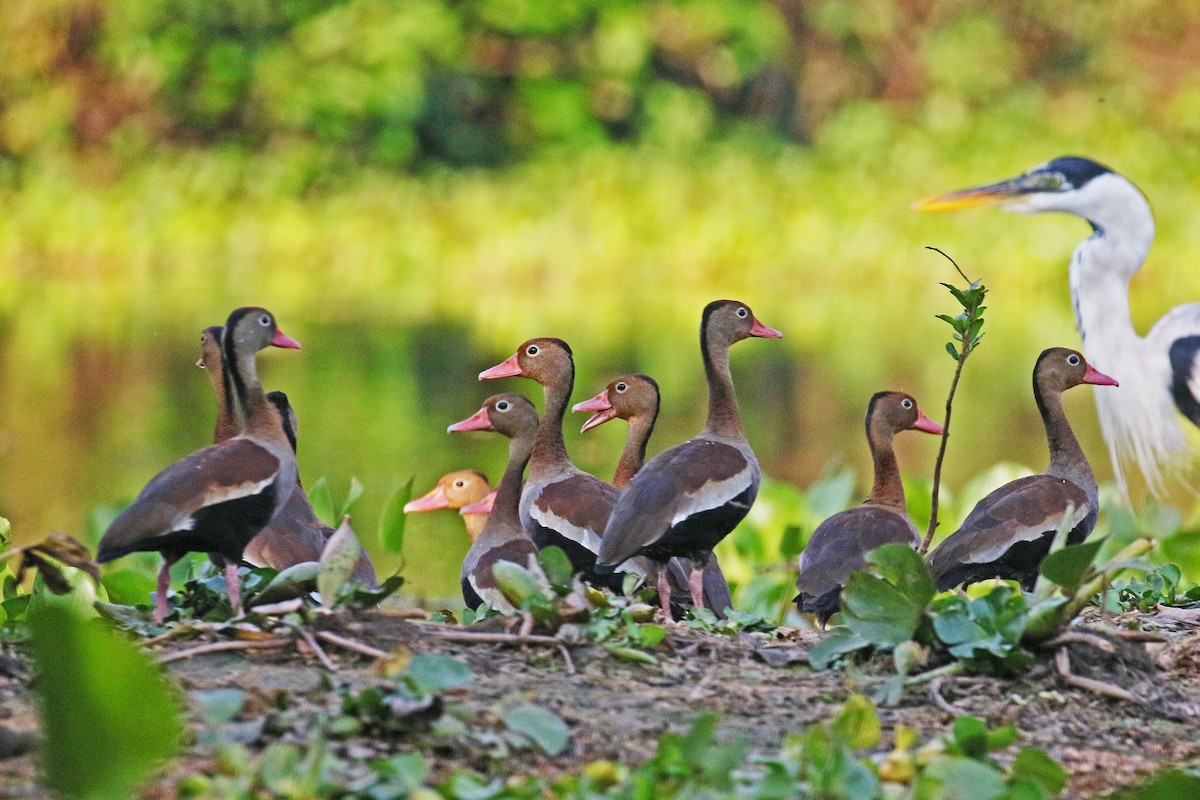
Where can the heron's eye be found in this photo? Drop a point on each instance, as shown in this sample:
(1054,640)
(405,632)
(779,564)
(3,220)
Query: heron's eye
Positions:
(1073,360)
(532,350)
(621,387)
(503,405)
(906,403)
(265,320)
(743,312)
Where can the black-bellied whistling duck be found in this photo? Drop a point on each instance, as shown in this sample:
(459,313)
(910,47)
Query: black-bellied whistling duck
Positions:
(456,490)
(216,499)
(840,544)
(1009,532)
(295,534)
(686,499)
(503,537)
(635,399)
(561,504)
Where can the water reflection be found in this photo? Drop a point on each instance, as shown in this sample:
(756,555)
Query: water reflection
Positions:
(373,401)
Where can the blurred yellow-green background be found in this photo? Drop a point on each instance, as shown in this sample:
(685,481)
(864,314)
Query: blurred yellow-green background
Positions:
(416,186)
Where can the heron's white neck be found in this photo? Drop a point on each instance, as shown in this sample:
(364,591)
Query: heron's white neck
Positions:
(1138,419)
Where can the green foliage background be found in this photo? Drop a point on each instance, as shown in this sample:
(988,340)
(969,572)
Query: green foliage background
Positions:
(416,187)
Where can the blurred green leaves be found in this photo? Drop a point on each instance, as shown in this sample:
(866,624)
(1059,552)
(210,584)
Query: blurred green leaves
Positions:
(98,741)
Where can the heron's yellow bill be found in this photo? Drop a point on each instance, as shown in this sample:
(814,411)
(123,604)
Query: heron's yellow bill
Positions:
(991,195)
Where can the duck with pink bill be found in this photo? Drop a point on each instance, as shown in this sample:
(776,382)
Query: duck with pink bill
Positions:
(456,490)
(503,537)
(841,543)
(295,534)
(217,499)
(1010,531)
(561,505)
(635,398)
(687,499)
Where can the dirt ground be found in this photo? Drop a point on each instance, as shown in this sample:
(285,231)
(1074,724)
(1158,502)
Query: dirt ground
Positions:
(760,684)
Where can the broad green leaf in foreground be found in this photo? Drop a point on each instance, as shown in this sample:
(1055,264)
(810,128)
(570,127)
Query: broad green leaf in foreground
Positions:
(392,519)
(108,715)
(542,727)
(337,562)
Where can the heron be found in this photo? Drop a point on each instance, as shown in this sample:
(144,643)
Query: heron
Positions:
(1142,422)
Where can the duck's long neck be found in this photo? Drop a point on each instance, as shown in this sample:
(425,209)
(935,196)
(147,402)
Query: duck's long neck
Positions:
(226,427)
(244,401)
(634,455)
(506,509)
(887,489)
(549,449)
(1066,456)
(723,416)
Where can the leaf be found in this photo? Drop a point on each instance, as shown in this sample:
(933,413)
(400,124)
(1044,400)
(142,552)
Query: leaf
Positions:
(392,520)
(405,771)
(69,551)
(557,566)
(1067,566)
(219,705)
(877,611)
(88,679)
(649,635)
(1035,765)
(791,544)
(433,672)
(295,581)
(322,500)
(542,727)
(337,562)
(129,587)
(904,568)
(952,351)
(965,779)
(54,578)
(836,644)
(631,654)
(355,492)
(857,724)
(971,735)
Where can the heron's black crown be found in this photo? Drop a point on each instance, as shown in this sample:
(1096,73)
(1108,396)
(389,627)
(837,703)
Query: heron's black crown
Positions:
(1075,170)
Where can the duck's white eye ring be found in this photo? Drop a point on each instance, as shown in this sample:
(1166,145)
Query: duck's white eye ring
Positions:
(906,403)
(1073,360)
(532,350)
(503,405)
(742,312)
(265,320)
(621,387)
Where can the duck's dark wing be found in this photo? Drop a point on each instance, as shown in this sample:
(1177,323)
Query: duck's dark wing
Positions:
(1024,511)
(840,545)
(209,483)
(699,477)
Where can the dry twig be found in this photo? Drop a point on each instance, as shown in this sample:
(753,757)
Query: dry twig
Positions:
(350,644)
(320,653)
(482,637)
(1062,660)
(217,647)
(935,694)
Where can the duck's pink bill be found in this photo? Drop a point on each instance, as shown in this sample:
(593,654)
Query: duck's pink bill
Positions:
(435,499)
(1098,378)
(478,421)
(924,423)
(505,369)
(283,340)
(758,329)
(483,506)
(597,403)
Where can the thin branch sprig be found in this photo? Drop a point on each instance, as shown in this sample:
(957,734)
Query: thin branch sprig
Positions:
(968,332)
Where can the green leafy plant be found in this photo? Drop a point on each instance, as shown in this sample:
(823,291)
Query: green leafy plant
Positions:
(968,333)
(96,744)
